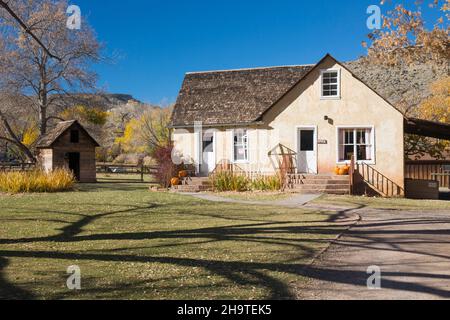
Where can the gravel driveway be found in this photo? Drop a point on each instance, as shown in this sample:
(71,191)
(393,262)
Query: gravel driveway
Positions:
(412,249)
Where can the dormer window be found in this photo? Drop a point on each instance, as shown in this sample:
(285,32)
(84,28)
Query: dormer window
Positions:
(74,136)
(331,84)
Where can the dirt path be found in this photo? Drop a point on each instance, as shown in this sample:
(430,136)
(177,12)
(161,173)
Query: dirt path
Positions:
(295,201)
(411,248)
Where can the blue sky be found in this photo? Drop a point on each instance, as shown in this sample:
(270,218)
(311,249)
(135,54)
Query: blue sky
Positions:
(156,42)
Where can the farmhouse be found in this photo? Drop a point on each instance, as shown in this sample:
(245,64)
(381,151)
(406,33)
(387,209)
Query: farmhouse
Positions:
(306,120)
(70,146)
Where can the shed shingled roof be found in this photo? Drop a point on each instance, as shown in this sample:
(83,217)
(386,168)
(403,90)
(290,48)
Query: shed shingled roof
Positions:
(233,96)
(50,138)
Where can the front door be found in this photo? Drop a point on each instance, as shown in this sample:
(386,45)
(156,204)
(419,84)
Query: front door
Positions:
(208,155)
(74,164)
(307,155)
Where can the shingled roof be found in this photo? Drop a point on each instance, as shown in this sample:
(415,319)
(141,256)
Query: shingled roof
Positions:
(50,138)
(233,96)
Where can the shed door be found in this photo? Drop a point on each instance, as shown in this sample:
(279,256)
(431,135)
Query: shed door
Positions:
(74,164)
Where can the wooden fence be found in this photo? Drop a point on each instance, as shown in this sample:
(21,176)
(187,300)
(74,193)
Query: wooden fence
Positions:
(429,170)
(113,169)
(16,167)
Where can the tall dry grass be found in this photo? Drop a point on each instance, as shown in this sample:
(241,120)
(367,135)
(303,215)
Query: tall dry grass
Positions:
(229,181)
(36,181)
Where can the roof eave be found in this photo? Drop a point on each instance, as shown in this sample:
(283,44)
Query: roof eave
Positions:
(222,125)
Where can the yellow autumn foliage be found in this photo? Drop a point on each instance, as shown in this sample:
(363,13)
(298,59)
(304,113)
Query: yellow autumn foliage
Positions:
(130,141)
(437,106)
(85,114)
(30,136)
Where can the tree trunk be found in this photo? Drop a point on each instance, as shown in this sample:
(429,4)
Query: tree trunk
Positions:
(42,101)
(15,140)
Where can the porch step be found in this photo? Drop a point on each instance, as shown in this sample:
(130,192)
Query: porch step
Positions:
(197,181)
(323,183)
(324,177)
(190,189)
(193,185)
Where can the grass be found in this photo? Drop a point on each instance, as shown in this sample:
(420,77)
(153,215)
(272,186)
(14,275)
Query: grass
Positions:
(124,178)
(135,244)
(383,203)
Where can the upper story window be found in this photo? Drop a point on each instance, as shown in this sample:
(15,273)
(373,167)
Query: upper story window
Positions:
(74,136)
(331,84)
(240,145)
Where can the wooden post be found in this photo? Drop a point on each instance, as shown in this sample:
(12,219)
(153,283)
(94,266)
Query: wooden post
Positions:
(352,174)
(142,172)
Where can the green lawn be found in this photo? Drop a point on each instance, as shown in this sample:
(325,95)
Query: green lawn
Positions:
(123,178)
(383,203)
(134,244)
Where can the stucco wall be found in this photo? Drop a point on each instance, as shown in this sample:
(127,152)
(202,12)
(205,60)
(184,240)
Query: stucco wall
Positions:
(302,106)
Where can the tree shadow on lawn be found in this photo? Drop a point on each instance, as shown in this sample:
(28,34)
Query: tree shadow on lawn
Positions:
(238,272)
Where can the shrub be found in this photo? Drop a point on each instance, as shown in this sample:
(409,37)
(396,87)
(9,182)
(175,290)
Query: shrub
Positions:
(36,181)
(269,183)
(228,181)
(120,159)
(129,158)
(148,161)
(166,168)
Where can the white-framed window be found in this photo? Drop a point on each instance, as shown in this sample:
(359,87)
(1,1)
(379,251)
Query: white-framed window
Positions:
(240,145)
(358,142)
(331,84)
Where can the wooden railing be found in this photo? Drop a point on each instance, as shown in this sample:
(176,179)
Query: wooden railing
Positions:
(376,180)
(125,169)
(427,170)
(226,165)
(8,167)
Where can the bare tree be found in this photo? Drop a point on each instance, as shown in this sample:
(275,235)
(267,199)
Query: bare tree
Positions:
(28,69)
(5,5)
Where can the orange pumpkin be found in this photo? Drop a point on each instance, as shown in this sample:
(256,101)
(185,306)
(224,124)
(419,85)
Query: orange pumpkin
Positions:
(175,181)
(183,174)
(336,171)
(342,171)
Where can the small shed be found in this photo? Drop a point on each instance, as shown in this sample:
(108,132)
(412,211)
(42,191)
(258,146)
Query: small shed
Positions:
(69,145)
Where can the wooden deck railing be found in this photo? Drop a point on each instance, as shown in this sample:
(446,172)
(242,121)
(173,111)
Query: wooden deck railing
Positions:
(425,170)
(375,179)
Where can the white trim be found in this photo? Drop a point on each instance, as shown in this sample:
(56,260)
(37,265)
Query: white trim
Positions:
(372,134)
(198,152)
(214,145)
(232,147)
(316,147)
(338,97)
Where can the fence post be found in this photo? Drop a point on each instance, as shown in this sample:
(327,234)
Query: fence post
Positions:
(352,175)
(142,172)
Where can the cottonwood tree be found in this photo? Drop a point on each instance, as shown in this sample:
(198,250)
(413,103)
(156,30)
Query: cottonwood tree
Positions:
(434,108)
(404,40)
(147,132)
(29,70)
(405,37)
